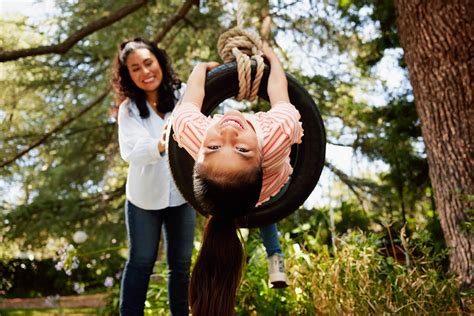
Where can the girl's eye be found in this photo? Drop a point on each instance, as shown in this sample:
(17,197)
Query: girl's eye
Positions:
(242,150)
(213,147)
(135,69)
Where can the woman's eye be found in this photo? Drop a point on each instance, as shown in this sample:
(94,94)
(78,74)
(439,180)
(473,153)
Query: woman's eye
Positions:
(242,150)
(213,147)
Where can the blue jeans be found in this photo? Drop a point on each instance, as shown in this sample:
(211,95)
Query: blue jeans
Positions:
(144,229)
(269,235)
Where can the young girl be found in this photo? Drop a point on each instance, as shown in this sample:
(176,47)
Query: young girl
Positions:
(242,160)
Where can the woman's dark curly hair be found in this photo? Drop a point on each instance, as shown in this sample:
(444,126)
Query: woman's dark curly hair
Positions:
(124,87)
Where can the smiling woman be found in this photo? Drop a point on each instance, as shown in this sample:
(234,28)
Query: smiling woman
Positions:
(147,90)
(144,74)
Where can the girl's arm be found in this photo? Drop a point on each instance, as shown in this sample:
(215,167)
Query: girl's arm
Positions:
(195,86)
(277,83)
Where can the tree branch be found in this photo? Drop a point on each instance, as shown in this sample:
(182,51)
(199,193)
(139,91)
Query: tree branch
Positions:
(339,144)
(282,7)
(352,183)
(45,137)
(63,47)
(182,11)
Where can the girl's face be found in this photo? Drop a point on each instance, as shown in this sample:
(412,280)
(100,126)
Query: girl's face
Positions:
(230,145)
(144,69)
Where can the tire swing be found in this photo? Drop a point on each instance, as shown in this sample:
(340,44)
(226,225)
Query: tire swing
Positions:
(307,158)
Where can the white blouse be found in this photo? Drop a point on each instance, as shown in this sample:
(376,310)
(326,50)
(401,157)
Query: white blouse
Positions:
(150,184)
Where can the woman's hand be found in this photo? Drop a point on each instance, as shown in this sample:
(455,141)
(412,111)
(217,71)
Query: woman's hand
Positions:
(163,138)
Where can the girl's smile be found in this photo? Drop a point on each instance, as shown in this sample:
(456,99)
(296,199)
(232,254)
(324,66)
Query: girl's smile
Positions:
(230,145)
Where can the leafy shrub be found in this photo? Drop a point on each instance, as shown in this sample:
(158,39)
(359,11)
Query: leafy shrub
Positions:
(39,278)
(355,277)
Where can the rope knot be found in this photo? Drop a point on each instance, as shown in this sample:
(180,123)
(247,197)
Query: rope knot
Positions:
(239,38)
(243,46)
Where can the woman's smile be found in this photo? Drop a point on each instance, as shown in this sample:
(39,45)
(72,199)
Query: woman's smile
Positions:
(149,80)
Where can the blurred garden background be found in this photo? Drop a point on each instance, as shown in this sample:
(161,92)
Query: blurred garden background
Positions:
(389,227)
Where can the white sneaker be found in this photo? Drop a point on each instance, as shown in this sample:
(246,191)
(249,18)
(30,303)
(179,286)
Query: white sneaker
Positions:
(276,272)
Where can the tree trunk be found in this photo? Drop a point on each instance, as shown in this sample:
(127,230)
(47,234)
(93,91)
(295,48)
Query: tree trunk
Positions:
(437,37)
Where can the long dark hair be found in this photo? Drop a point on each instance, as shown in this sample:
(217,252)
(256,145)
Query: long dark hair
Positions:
(124,87)
(216,275)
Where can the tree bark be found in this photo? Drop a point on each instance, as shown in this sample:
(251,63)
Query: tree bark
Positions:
(437,37)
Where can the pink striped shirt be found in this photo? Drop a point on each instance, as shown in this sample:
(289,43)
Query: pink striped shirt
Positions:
(276,130)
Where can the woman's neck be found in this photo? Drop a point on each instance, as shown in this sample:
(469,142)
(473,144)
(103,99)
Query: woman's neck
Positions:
(152,98)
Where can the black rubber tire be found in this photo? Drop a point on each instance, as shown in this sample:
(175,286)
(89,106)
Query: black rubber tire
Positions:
(307,158)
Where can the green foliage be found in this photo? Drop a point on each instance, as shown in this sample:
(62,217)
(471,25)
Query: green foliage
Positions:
(383,14)
(75,179)
(392,134)
(40,278)
(353,278)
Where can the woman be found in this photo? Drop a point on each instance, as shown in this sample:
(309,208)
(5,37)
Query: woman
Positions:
(147,90)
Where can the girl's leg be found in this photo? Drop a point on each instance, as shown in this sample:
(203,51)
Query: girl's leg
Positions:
(144,228)
(276,265)
(179,227)
(269,235)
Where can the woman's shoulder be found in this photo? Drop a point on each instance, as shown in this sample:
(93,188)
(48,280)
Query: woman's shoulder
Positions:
(128,107)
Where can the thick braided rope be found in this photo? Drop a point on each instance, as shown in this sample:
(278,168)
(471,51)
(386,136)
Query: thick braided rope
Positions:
(257,56)
(238,44)
(240,14)
(244,73)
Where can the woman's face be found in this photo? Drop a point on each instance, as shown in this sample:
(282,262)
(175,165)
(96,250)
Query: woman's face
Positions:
(144,69)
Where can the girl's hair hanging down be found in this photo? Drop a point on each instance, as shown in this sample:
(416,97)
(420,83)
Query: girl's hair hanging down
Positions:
(217,272)
(124,87)
(216,275)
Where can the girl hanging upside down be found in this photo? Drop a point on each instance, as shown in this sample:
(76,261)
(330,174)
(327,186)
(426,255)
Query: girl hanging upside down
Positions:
(241,161)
